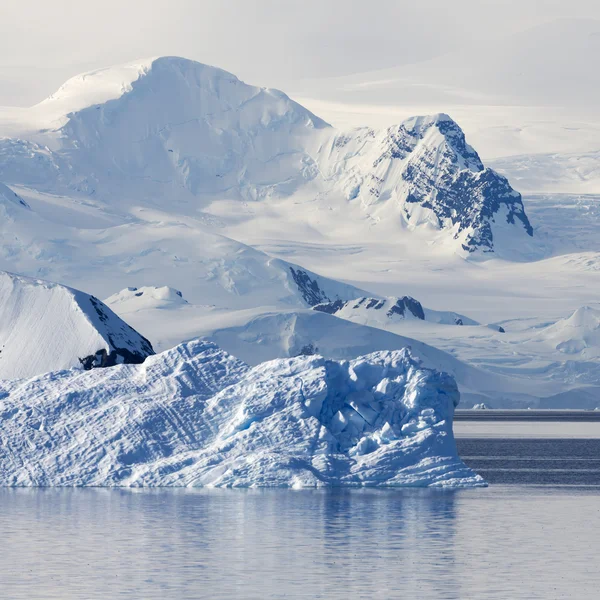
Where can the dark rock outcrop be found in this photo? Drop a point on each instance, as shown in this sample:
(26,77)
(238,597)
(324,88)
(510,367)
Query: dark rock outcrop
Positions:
(309,288)
(400,307)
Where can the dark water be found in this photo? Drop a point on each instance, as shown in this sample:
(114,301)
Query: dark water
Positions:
(534,461)
(545,415)
(537,539)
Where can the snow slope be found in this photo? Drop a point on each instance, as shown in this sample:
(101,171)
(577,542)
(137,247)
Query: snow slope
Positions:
(577,334)
(8,199)
(13,211)
(196,416)
(46,327)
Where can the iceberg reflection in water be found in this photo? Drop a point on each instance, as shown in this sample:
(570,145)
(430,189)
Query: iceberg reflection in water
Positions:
(337,543)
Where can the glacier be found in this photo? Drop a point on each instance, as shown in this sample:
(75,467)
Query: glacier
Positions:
(197,416)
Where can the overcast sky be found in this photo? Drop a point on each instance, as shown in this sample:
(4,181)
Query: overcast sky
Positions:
(265,42)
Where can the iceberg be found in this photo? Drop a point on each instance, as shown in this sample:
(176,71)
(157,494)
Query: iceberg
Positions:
(197,416)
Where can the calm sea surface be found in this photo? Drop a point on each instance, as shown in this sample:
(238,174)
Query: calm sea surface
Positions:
(534,533)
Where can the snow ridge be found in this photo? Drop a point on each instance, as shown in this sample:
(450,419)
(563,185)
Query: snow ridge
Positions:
(196,416)
(46,326)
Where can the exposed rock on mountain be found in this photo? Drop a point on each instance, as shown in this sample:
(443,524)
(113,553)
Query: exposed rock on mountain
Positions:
(377,312)
(425,170)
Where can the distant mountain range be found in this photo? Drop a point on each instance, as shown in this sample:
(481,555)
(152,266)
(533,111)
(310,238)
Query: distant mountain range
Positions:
(200,206)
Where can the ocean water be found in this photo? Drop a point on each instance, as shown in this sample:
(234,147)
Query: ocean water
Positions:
(532,461)
(502,542)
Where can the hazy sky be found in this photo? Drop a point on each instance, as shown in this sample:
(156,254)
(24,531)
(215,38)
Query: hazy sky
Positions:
(266,42)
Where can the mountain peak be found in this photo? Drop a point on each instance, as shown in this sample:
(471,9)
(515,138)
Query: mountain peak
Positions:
(425,170)
(166,80)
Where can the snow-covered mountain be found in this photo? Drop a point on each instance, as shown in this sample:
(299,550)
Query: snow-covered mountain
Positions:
(46,327)
(175,128)
(381,312)
(196,416)
(424,171)
(168,124)
(577,334)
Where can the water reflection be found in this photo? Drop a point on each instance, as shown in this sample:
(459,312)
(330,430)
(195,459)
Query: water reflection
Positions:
(309,544)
